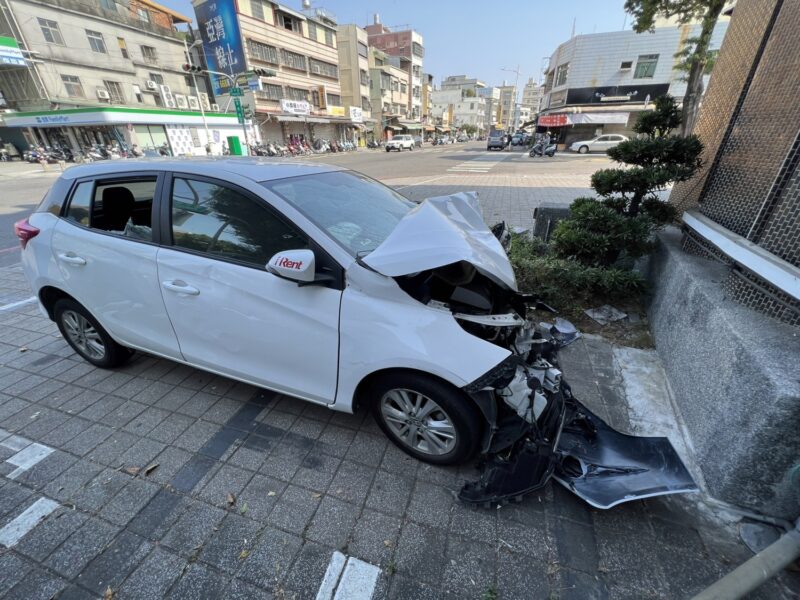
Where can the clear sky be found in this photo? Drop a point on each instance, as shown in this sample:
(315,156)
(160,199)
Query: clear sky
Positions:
(477,38)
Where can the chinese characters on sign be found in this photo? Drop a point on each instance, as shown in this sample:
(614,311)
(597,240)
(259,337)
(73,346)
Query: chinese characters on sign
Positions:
(222,40)
(10,54)
(296,107)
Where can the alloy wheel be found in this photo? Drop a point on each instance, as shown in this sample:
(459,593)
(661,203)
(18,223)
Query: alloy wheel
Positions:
(83,334)
(418,422)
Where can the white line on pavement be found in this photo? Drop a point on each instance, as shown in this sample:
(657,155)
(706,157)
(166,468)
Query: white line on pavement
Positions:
(27,520)
(16,304)
(331,578)
(348,579)
(420,182)
(27,458)
(358,581)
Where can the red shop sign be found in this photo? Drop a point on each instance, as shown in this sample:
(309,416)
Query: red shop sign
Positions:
(552,120)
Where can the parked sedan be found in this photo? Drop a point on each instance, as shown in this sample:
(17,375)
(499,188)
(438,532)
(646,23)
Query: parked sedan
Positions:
(598,144)
(497,140)
(323,284)
(400,143)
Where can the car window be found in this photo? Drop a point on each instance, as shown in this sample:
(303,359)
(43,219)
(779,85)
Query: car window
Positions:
(355,211)
(602,138)
(617,138)
(218,220)
(120,206)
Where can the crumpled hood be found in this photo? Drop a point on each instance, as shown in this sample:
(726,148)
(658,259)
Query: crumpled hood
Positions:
(441,231)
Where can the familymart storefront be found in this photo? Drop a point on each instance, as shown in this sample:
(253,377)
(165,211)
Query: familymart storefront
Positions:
(183,132)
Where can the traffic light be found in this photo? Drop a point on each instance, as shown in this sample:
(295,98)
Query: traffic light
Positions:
(264,72)
(189,68)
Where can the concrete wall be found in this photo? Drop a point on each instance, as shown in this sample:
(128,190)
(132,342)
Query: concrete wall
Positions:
(734,374)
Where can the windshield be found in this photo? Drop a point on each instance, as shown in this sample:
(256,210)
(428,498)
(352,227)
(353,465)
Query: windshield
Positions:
(355,211)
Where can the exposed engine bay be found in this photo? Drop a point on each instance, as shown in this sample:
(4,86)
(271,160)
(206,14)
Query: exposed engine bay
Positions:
(536,428)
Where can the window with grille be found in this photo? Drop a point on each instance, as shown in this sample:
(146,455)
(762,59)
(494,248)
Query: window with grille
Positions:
(51,32)
(363,50)
(312,30)
(417,49)
(73,86)
(334,99)
(561,74)
(96,41)
(317,67)
(257,8)
(403,88)
(263,52)
(296,93)
(364,77)
(150,55)
(646,66)
(115,91)
(365,103)
(271,91)
(293,60)
(123,47)
(329,37)
(157,77)
(144,14)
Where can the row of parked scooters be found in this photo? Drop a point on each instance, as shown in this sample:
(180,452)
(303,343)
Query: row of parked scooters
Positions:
(300,147)
(57,154)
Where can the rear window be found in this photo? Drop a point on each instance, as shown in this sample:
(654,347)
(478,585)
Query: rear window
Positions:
(55,197)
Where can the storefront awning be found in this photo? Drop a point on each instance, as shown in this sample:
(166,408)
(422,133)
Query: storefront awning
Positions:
(599,118)
(410,125)
(394,128)
(429,128)
(300,119)
(114,116)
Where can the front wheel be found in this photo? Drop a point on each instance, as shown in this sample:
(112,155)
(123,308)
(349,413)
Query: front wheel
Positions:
(426,418)
(583,149)
(87,337)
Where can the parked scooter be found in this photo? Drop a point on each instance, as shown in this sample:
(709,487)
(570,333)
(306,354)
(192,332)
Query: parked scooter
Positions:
(540,149)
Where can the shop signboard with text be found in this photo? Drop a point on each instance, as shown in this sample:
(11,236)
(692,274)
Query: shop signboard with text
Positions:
(10,54)
(295,107)
(356,114)
(222,40)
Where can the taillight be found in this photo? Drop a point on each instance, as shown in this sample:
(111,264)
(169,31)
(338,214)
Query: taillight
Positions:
(25,231)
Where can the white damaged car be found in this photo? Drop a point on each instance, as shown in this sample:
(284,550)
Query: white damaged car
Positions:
(323,284)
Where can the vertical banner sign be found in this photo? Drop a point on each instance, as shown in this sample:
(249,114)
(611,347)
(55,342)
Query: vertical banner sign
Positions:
(222,40)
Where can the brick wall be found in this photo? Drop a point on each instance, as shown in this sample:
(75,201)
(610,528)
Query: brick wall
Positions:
(157,17)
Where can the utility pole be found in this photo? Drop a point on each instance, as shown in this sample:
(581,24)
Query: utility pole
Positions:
(194,80)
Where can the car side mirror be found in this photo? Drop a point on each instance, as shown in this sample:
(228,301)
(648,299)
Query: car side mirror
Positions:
(295,265)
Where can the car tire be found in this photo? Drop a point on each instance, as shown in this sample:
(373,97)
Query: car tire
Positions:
(451,410)
(388,149)
(583,149)
(87,337)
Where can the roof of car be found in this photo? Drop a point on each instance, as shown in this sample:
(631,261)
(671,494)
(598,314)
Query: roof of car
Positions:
(255,168)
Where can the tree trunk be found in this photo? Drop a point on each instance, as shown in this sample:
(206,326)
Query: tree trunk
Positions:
(694,85)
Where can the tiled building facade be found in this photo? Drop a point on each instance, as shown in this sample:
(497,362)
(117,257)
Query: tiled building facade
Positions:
(749,123)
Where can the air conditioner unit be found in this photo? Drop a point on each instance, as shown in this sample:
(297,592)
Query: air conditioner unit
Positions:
(215,107)
(315,69)
(180,101)
(204,101)
(165,90)
(169,101)
(193,103)
(626,65)
(103,94)
(151,85)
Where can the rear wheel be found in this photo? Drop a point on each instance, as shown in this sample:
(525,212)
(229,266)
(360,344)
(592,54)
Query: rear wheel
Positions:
(426,418)
(87,337)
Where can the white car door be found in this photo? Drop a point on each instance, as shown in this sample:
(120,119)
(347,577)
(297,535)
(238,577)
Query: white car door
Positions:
(233,317)
(106,255)
(601,144)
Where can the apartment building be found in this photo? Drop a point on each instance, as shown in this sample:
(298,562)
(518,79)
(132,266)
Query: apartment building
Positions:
(103,71)
(507,106)
(599,83)
(461,108)
(491,97)
(390,94)
(532,93)
(354,76)
(427,88)
(304,98)
(469,85)
(406,43)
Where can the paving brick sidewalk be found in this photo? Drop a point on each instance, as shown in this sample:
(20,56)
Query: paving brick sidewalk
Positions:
(305,482)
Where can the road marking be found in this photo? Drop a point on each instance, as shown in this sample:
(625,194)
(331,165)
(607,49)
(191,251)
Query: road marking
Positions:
(27,520)
(421,182)
(16,304)
(27,458)
(348,579)
(331,578)
(483,163)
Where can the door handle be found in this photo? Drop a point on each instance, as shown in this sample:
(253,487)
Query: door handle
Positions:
(72,259)
(180,287)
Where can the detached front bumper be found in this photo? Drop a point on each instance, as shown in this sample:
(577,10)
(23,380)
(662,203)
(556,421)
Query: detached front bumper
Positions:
(576,447)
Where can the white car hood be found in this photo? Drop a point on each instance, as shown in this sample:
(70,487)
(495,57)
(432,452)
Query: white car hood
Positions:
(441,231)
